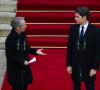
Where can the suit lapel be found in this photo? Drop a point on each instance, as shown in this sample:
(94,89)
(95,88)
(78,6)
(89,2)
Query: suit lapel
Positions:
(77,31)
(87,31)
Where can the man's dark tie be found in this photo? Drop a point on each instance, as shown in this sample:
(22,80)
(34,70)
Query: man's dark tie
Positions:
(82,33)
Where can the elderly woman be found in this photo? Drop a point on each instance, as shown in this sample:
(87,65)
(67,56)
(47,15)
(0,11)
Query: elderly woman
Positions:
(17,54)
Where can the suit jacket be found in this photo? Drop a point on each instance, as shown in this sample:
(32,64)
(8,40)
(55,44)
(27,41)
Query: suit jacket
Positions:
(81,59)
(16,58)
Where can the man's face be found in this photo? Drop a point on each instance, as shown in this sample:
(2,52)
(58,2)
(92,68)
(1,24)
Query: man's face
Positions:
(23,26)
(79,19)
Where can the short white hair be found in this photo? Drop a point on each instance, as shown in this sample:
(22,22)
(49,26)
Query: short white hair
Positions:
(17,21)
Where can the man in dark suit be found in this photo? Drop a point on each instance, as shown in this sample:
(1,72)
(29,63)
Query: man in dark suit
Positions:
(17,54)
(83,52)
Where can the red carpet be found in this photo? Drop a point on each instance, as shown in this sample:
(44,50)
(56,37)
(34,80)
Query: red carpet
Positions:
(49,72)
(47,29)
(57,4)
(47,41)
(55,17)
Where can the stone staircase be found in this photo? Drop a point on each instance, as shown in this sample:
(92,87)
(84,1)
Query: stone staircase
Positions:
(7,12)
(7,5)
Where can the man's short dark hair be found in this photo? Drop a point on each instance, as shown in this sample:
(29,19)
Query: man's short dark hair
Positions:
(83,11)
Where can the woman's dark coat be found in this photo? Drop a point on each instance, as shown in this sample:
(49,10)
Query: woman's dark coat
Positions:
(16,58)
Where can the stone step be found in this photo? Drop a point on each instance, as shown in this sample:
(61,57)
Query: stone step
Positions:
(5,30)
(6,5)
(2,66)
(2,42)
(9,0)
(6,17)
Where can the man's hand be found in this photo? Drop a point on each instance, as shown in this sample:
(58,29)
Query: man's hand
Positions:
(26,63)
(39,51)
(69,70)
(92,72)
